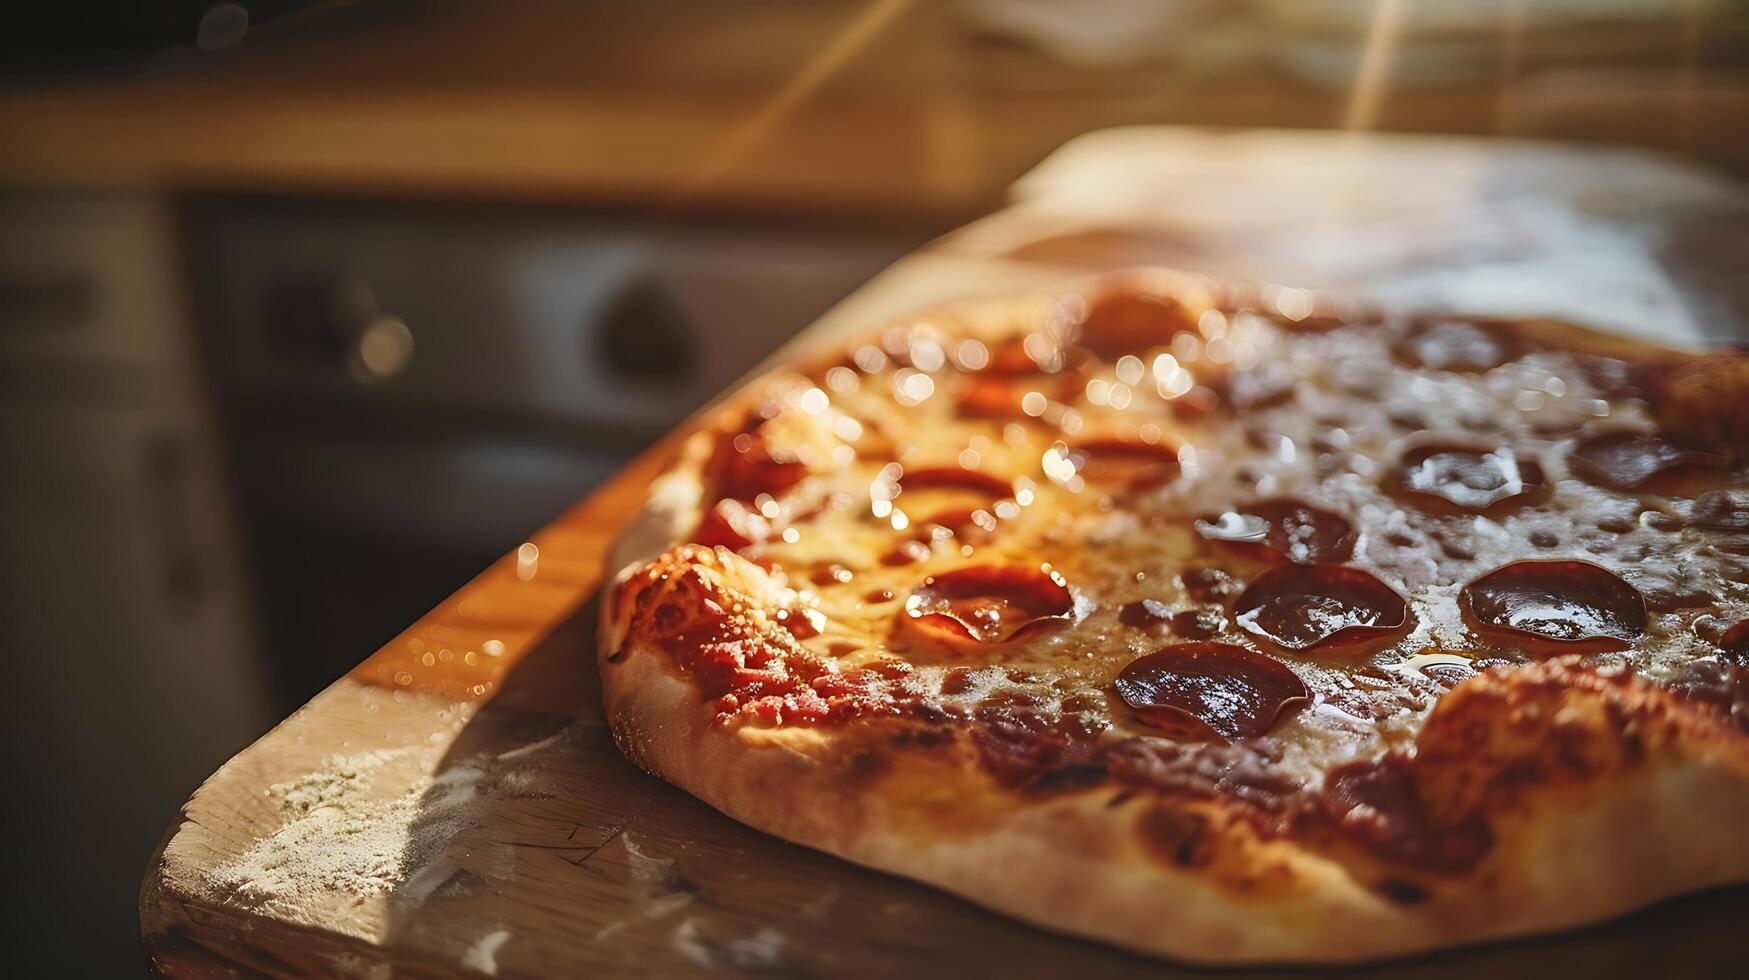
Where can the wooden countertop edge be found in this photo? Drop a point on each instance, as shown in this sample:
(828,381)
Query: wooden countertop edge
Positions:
(183,936)
(182,932)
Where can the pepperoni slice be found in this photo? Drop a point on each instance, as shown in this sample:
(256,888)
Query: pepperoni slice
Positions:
(1130,463)
(1283,528)
(1459,345)
(1034,355)
(1130,320)
(906,553)
(1632,460)
(1735,645)
(955,477)
(1556,606)
(1010,359)
(989,603)
(1205,691)
(991,398)
(732,524)
(1303,607)
(1450,475)
(743,467)
(832,573)
(1379,804)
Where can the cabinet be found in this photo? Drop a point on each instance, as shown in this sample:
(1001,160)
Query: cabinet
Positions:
(131,664)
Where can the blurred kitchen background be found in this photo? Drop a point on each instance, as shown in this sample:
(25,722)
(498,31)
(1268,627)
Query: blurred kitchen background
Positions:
(310,310)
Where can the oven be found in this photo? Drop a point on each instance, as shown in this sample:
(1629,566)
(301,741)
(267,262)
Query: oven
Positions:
(408,392)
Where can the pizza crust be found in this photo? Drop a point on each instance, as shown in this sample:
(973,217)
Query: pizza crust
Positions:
(1076,865)
(1566,855)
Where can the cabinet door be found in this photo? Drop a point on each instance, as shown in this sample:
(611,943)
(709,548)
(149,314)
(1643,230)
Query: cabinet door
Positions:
(123,629)
(89,278)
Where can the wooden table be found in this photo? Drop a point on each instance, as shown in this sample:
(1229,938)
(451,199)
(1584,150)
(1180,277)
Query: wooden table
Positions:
(455,802)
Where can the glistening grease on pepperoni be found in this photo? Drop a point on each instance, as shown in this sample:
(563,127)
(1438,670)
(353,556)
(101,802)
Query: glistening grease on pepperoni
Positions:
(1449,475)
(1129,463)
(1631,460)
(1196,691)
(990,603)
(1556,606)
(1282,528)
(1459,345)
(971,524)
(1303,607)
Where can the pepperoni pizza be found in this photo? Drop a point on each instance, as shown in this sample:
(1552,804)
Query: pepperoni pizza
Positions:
(1222,623)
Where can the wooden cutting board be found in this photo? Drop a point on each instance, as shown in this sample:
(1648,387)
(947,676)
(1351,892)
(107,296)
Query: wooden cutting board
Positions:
(455,803)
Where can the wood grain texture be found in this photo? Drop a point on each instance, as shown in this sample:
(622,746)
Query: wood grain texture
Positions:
(521,843)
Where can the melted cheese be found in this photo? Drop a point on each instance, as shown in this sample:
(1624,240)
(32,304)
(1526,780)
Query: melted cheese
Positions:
(1330,444)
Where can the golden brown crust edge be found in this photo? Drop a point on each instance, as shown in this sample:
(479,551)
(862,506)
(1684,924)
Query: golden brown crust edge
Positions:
(1074,864)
